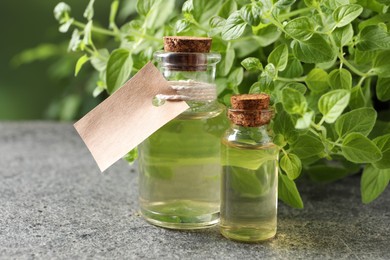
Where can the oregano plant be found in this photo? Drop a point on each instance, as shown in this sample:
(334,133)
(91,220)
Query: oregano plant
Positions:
(324,63)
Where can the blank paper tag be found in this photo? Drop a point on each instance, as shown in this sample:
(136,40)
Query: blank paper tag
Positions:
(127,117)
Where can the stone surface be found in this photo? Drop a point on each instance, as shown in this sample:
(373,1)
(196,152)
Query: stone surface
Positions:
(54,203)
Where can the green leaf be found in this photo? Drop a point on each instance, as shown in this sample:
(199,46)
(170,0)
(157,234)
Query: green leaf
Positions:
(340,79)
(61,12)
(328,173)
(203,10)
(360,120)
(357,98)
(385,2)
(301,28)
(383,143)
(333,4)
(245,48)
(314,50)
(283,125)
(317,80)
(255,88)
(279,140)
(373,183)
(312,3)
(182,25)
(373,37)
(293,101)
(381,66)
(284,4)
(267,35)
(364,57)
(251,13)
(88,13)
(227,8)
(113,11)
(131,156)
(288,192)
(217,22)
(307,145)
(65,26)
(333,103)
(144,6)
(119,67)
(75,41)
(383,89)
(345,14)
(293,69)
(80,62)
(279,57)
(235,78)
(252,64)
(359,149)
(267,76)
(375,20)
(99,61)
(343,36)
(88,33)
(305,120)
(98,89)
(227,62)
(297,86)
(188,6)
(291,165)
(234,27)
(157,12)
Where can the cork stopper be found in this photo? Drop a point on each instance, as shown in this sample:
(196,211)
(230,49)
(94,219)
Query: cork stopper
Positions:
(187,44)
(250,110)
(250,101)
(187,53)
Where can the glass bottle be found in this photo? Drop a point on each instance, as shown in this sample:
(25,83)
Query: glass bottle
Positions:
(179,165)
(250,172)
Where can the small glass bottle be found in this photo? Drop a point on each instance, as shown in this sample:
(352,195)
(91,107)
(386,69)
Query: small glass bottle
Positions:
(179,165)
(250,172)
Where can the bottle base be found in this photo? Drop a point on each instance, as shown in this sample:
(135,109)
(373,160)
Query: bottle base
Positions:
(180,215)
(248,235)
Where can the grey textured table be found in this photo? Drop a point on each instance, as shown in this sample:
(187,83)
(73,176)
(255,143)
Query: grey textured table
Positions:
(54,203)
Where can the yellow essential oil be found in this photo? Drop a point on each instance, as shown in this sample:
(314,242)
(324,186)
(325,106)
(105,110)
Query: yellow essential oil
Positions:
(249,197)
(180,164)
(249,177)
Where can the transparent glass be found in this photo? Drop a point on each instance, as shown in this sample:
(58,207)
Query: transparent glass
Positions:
(179,165)
(249,184)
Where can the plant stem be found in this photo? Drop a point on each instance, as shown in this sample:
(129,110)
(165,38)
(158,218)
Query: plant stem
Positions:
(321,122)
(351,67)
(334,143)
(95,29)
(276,23)
(300,79)
(145,36)
(361,81)
(294,13)
(199,26)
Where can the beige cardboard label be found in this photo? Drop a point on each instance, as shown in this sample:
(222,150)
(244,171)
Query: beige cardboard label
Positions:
(128,117)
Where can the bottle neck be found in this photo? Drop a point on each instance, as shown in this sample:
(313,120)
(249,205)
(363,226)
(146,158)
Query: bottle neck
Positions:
(192,75)
(257,135)
(182,66)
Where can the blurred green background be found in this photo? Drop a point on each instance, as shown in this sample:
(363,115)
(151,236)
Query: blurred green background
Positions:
(36,75)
